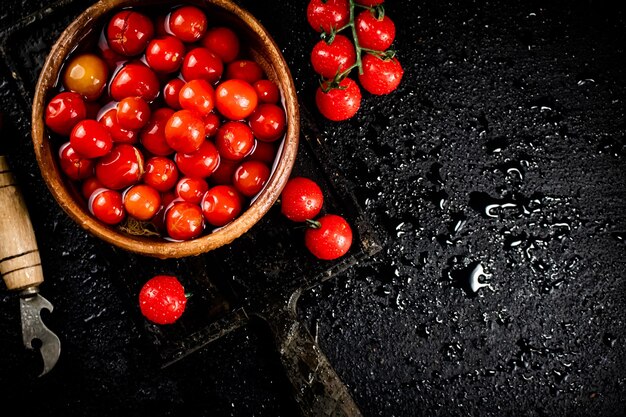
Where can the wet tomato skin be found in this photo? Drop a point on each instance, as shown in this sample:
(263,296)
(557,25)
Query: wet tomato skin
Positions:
(267,91)
(87,75)
(223,42)
(250,177)
(201,163)
(165,54)
(301,199)
(341,103)
(191,189)
(263,152)
(184,131)
(118,134)
(121,168)
(202,64)
(90,139)
(171,90)
(234,140)
(330,239)
(133,113)
(268,122)
(129,32)
(197,96)
(211,124)
(188,23)
(73,165)
(64,111)
(323,15)
(244,69)
(221,204)
(235,99)
(162,299)
(184,221)
(161,173)
(142,202)
(107,206)
(135,80)
(152,136)
(89,185)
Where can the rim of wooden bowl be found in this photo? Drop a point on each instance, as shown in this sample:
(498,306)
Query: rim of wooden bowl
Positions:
(53,177)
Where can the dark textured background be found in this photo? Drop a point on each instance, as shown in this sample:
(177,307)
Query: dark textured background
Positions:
(520,105)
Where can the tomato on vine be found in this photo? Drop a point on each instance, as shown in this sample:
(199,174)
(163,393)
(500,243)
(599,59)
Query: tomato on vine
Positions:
(328,237)
(323,15)
(339,103)
(330,58)
(380,75)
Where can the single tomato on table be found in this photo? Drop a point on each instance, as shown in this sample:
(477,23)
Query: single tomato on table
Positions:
(162,299)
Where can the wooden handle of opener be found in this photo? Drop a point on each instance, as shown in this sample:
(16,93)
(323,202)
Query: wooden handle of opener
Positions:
(20,264)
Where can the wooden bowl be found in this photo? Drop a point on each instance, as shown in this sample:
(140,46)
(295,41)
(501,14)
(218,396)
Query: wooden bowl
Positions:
(260,46)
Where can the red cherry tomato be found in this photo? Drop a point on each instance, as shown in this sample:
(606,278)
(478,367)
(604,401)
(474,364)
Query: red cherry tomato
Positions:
(90,185)
(197,96)
(87,75)
(234,140)
(165,54)
(188,23)
(250,177)
(202,64)
(184,131)
(380,76)
(373,33)
(329,238)
(223,42)
(152,136)
(263,152)
(184,221)
(323,15)
(111,57)
(244,69)
(161,173)
(128,32)
(328,60)
(267,91)
(90,139)
(107,206)
(268,122)
(339,103)
(224,173)
(191,189)
(301,199)
(171,90)
(118,134)
(133,113)
(64,111)
(199,164)
(74,166)
(211,124)
(235,99)
(162,299)
(142,202)
(135,80)
(121,168)
(221,205)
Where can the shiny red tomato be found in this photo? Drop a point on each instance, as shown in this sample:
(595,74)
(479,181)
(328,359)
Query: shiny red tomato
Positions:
(135,80)
(184,221)
(202,64)
(235,99)
(121,168)
(133,113)
(223,42)
(199,164)
(160,173)
(328,60)
(64,111)
(118,134)
(234,140)
(221,205)
(152,136)
(268,122)
(162,299)
(142,202)
(184,131)
(380,76)
(188,23)
(250,177)
(373,33)
(128,32)
(90,139)
(165,54)
(267,91)
(244,69)
(107,206)
(191,189)
(323,15)
(73,165)
(171,90)
(301,199)
(329,237)
(197,96)
(339,103)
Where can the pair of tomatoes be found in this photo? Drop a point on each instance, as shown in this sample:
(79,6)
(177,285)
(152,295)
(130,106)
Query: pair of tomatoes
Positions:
(335,56)
(166,121)
(327,237)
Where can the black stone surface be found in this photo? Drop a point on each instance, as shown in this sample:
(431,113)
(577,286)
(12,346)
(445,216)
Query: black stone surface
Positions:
(503,149)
